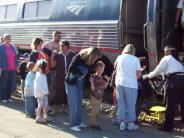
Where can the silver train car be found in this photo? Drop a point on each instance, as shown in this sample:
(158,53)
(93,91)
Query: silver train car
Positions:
(82,22)
(107,24)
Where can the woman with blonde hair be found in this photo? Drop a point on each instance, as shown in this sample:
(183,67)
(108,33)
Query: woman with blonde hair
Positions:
(128,70)
(129,49)
(78,69)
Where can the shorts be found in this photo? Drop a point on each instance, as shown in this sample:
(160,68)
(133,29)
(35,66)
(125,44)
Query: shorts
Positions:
(42,101)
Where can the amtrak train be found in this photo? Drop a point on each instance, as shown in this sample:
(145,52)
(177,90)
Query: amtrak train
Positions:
(107,24)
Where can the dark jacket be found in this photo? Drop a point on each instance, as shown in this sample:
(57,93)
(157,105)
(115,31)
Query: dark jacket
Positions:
(76,62)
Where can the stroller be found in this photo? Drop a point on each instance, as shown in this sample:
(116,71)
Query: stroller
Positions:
(150,97)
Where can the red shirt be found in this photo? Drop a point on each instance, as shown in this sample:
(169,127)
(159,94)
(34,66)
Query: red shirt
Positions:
(10,58)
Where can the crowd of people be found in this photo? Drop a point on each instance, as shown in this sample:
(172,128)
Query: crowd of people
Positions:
(53,75)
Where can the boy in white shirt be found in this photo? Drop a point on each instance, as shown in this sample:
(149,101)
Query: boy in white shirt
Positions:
(30,100)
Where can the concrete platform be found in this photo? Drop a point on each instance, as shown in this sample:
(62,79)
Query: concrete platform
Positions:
(14,124)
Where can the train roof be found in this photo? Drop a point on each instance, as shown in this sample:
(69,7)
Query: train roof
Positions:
(59,10)
(7,2)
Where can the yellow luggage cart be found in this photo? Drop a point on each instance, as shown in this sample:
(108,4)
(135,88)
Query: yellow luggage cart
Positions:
(157,115)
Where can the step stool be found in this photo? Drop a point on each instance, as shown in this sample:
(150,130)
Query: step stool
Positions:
(157,115)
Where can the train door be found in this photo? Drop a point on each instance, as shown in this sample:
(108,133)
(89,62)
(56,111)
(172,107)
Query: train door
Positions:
(133,19)
(171,35)
(150,32)
(159,26)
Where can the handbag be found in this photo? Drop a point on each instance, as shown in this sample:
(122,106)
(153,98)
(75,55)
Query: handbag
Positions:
(71,78)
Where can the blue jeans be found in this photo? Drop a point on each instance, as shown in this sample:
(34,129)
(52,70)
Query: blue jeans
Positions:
(7,84)
(127,98)
(30,106)
(74,96)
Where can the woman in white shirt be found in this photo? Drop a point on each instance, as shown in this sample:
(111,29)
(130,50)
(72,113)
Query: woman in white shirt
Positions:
(128,70)
(171,66)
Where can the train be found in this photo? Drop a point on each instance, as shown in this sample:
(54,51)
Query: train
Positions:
(106,24)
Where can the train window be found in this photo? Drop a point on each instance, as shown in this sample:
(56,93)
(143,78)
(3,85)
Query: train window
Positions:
(44,8)
(8,12)
(90,10)
(11,11)
(30,10)
(37,9)
(2,12)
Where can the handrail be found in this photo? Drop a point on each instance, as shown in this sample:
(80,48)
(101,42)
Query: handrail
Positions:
(145,35)
(121,33)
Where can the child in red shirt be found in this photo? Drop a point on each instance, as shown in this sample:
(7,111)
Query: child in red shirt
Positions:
(99,83)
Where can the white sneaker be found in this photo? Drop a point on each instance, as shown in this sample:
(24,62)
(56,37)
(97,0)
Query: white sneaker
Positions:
(4,101)
(122,126)
(82,125)
(132,126)
(75,128)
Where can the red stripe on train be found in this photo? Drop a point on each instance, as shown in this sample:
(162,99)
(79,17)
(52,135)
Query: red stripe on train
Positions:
(74,48)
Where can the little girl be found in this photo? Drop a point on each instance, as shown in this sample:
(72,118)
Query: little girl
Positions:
(30,100)
(41,92)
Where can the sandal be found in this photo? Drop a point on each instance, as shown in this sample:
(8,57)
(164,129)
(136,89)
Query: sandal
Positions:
(41,121)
